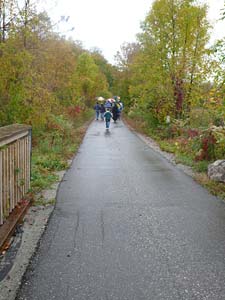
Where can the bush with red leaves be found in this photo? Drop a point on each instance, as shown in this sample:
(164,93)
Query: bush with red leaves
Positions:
(191,133)
(207,151)
(74,111)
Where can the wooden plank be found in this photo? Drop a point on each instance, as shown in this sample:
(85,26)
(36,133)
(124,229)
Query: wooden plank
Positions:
(15,174)
(29,159)
(4,184)
(12,132)
(12,176)
(7,229)
(11,206)
(7,182)
(17,171)
(23,167)
(26,165)
(1,184)
(10,140)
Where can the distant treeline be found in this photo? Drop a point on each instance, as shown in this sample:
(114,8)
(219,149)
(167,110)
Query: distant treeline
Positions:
(170,70)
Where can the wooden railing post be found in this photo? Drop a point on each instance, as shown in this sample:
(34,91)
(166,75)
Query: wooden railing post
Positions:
(1,183)
(15,166)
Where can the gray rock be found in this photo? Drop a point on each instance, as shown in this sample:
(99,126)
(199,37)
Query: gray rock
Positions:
(216,170)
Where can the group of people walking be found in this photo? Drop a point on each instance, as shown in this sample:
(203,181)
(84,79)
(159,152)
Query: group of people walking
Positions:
(109,110)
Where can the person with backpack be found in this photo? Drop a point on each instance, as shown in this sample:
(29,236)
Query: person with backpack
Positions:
(108,105)
(107,116)
(97,110)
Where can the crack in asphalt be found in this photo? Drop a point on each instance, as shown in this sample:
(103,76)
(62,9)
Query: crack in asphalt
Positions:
(102,226)
(77,224)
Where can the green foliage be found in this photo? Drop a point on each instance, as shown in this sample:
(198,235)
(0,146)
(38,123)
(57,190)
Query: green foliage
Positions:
(171,72)
(105,68)
(184,159)
(41,180)
(166,69)
(42,74)
(43,202)
(210,144)
(90,80)
(143,114)
(219,134)
(53,147)
(200,117)
(216,188)
(201,166)
(167,146)
(50,162)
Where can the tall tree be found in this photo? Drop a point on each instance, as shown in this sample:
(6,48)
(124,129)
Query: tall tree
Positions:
(43,73)
(125,59)
(90,80)
(106,68)
(169,67)
(8,15)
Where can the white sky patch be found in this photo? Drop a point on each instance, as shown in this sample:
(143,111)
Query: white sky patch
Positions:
(107,24)
(214,15)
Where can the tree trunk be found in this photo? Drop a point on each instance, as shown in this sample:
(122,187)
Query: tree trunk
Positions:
(25,22)
(193,66)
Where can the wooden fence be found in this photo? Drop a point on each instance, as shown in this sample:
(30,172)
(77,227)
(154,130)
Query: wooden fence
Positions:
(15,166)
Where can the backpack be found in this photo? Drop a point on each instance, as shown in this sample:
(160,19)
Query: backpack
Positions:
(107,116)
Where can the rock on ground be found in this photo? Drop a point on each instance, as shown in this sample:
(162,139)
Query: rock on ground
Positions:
(216,170)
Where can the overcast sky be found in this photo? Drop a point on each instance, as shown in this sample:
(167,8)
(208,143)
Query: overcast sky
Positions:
(107,24)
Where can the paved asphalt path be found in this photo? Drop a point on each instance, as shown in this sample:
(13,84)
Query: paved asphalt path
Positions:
(128,226)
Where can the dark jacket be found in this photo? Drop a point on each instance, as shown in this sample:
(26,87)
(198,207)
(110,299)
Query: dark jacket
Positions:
(102,109)
(97,107)
(115,112)
(107,116)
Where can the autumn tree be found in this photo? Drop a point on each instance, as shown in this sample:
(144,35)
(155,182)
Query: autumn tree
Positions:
(125,59)
(106,68)
(169,68)
(42,73)
(91,82)
(35,78)
(8,15)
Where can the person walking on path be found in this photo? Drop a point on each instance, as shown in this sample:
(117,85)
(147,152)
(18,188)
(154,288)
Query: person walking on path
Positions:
(107,116)
(108,104)
(115,112)
(97,110)
(102,111)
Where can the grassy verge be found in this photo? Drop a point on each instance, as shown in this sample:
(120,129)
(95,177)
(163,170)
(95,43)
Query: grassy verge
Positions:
(215,188)
(183,155)
(53,147)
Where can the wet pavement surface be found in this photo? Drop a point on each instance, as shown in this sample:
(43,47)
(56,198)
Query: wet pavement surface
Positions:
(128,225)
